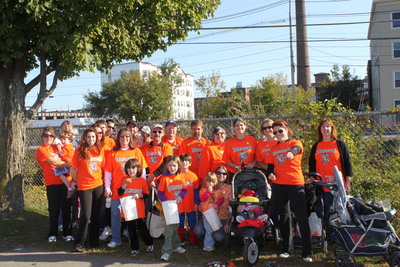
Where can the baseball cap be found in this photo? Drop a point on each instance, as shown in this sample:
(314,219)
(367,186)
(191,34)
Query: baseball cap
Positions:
(131,122)
(157,126)
(169,122)
(145,129)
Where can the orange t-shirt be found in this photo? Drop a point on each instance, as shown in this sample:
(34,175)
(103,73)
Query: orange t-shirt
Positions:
(223,211)
(43,153)
(109,143)
(194,148)
(238,151)
(192,183)
(327,156)
(68,150)
(214,196)
(176,144)
(137,186)
(287,171)
(155,155)
(172,185)
(115,164)
(263,149)
(89,172)
(211,159)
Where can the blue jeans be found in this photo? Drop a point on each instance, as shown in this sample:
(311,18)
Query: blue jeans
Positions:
(115,220)
(204,228)
(191,217)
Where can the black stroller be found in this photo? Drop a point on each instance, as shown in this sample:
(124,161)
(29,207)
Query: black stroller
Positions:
(359,232)
(252,233)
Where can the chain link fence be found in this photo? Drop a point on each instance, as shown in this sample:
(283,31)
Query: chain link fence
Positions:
(373,140)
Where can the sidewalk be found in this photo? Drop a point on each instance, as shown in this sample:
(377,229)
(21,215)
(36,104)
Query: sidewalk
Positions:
(22,257)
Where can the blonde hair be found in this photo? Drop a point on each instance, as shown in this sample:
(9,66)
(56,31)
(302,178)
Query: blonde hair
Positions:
(211,177)
(66,134)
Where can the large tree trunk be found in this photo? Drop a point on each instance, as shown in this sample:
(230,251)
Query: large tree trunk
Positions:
(12,135)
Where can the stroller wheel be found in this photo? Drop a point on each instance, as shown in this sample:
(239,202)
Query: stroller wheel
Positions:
(250,252)
(345,259)
(394,260)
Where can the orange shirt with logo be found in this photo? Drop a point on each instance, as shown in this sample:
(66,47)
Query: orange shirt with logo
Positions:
(238,151)
(223,211)
(115,164)
(194,148)
(176,144)
(89,172)
(263,149)
(137,186)
(211,158)
(192,183)
(212,199)
(109,143)
(287,171)
(43,153)
(172,185)
(155,154)
(327,156)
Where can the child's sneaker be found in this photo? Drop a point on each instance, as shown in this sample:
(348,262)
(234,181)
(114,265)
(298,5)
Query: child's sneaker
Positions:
(52,239)
(68,238)
(179,250)
(134,252)
(106,233)
(165,257)
(150,249)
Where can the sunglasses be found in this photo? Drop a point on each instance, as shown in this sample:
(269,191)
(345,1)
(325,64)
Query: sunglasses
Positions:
(279,131)
(99,132)
(157,132)
(266,127)
(221,173)
(48,135)
(111,127)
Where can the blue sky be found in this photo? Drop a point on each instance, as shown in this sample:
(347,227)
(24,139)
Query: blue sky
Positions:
(247,55)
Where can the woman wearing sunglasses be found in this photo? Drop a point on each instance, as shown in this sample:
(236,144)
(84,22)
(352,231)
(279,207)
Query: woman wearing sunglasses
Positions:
(285,172)
(56,191)
(264,145)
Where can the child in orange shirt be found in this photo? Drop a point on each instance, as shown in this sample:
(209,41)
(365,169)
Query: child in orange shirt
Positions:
(190,202)
(137,188)
(67,153)
(210,197)
(172,186)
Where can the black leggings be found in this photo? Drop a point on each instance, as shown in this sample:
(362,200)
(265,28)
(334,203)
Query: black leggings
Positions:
(282,194)
(57,200)
(140,224)
(90,212)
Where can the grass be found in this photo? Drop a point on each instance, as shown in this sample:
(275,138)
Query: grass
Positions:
(30,230)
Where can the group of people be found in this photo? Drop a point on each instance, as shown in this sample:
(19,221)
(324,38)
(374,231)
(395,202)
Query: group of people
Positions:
(109,171)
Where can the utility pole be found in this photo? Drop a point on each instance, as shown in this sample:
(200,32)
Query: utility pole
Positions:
(292,67)
(303,62)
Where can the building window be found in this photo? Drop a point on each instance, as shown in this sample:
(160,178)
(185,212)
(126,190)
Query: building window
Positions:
(396,20)
(397,80)
(397,105)
(396,50)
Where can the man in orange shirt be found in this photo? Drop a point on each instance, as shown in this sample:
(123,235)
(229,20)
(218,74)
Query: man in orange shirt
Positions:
(171,128)
(109,143)
(195,145)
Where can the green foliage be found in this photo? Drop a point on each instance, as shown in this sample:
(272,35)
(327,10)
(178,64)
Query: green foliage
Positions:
(148,98)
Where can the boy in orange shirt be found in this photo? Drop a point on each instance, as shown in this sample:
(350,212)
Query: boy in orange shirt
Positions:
(190,202)
(67,153)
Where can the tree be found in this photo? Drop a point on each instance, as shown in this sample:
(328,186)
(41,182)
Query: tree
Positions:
(148,98)
(341,86)
(64,37)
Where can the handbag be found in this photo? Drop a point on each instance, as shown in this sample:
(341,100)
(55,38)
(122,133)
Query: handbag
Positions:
(154,221)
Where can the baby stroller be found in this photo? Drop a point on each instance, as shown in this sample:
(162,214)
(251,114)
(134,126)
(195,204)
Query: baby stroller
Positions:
(251,230)
(361,231)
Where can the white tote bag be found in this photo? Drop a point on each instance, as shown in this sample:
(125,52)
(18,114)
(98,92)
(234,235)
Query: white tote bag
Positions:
(171,214)
(128,205)
(213,219)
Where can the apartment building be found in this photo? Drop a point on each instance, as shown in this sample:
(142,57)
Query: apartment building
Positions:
(183,95)
(384,65)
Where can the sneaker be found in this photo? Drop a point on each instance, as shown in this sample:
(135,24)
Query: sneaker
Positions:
(75,225)
(208,249)
(113,244)
(68,238)
(183,242)
(307,259)
(150,249)
(134,252)
(52,239)
(284,255)
(179,250)
(106,233)
(165,257)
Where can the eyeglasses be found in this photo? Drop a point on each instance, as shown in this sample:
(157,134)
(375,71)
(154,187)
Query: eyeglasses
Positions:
(48,135)
(266,127)
(279,131)
(157,132)
(221,173)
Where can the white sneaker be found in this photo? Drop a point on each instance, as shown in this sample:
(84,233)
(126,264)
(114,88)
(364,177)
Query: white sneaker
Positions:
(208,249)
(134,252)
(165,257)
(307,259)
(179,250)
(106,233)
(52,239)
(284,255)
(113,244)
(150,249)
(68,238)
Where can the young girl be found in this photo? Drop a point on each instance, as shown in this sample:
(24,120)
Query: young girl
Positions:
(172,186)
(136,187)
(210,197)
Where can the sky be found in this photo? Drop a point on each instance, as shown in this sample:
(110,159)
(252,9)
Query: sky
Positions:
(337,33)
